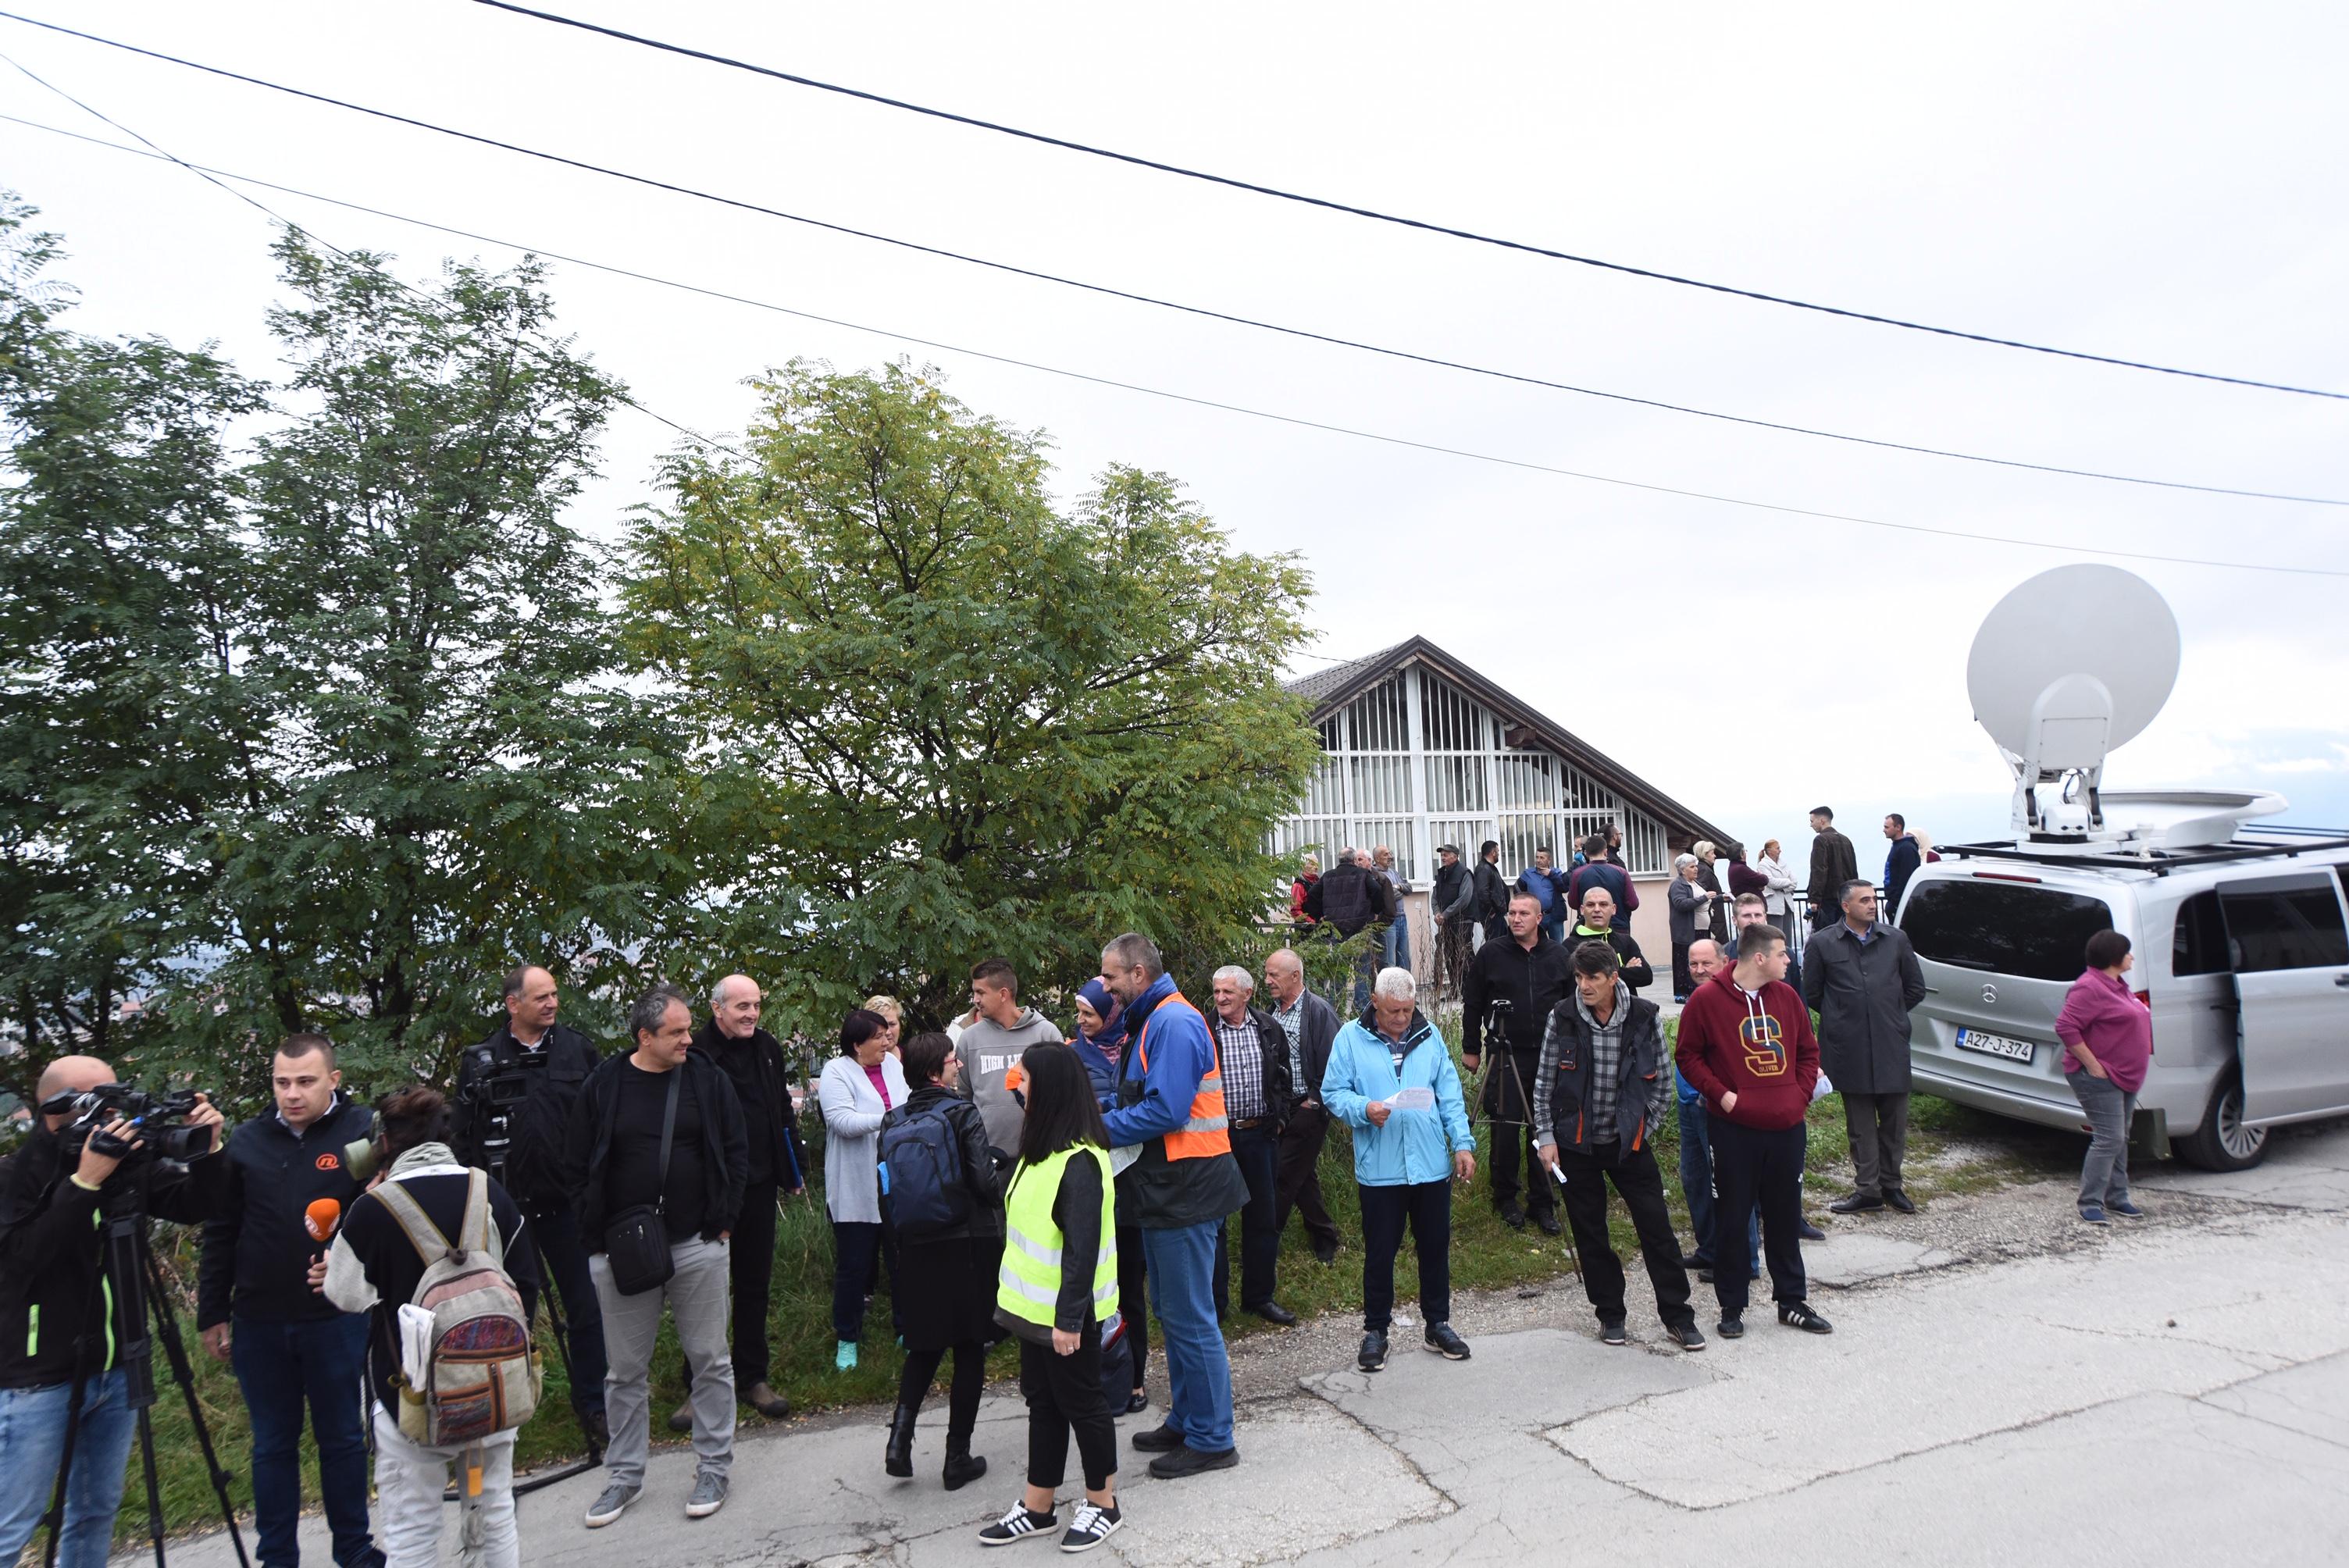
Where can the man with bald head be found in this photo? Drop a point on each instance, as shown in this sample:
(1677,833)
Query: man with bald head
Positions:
(754,1061)
(1307,1025)
(551,1062)
(59,1318)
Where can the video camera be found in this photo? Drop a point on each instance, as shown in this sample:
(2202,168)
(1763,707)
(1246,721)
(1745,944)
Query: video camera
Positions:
(1498,1011)
(158,1120)
(490,1096)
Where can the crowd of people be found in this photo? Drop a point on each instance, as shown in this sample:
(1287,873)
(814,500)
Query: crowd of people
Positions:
(1010,1183)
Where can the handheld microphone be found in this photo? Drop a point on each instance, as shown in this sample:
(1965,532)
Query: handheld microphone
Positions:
(321,1218)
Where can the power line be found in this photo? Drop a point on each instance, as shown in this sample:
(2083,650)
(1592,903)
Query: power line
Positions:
(1202,311)
(1425,225)
(1212,403)
(163,154)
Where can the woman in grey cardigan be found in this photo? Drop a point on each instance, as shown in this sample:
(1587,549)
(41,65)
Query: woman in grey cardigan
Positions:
(1691,917)
(857,1090)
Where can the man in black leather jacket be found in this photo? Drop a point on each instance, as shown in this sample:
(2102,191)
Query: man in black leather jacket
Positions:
(551,1062)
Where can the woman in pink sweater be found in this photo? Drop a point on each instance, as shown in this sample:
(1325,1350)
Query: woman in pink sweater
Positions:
(2108,1036)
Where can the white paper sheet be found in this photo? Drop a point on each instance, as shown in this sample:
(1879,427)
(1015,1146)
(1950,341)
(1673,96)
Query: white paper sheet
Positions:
(1413,1100)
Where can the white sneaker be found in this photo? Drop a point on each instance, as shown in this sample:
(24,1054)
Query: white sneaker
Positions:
(613,1503)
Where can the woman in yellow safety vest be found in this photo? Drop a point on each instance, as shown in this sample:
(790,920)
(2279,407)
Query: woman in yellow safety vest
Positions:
(1058,1286)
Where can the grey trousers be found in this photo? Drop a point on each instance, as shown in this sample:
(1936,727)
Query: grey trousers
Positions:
(2103,1175)
(695,1296)
(1878,1125)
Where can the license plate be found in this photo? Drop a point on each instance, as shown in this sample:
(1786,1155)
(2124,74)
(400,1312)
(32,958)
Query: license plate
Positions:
(2014,1050)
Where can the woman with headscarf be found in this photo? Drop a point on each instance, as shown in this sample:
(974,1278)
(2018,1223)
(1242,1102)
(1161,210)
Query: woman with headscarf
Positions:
(1100,1043)
(857,1090)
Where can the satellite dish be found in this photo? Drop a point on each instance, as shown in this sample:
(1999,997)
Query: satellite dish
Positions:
(2068,665)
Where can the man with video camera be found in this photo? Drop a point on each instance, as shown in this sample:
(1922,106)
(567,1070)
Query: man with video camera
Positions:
(514,1096)
(285,1190)
(83,1157)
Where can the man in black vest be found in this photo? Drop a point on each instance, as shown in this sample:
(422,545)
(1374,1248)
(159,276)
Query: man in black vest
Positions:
(550,1062)
(1601,1093)
(754,1061)
(1525,977)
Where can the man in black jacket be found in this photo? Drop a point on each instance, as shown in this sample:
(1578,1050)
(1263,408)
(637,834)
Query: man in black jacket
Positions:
(1349,898)
(57,1318)
(1597,923)
(1602,1090)
(1834,863)
(549,1063)
(289,1346)
(1528,973)
(776,1164)
(1449,900)
(1309,1024)
(1488,901)
(661,1128)
(1252,1051)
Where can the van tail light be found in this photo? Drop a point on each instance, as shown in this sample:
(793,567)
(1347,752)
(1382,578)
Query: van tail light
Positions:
(2145,999)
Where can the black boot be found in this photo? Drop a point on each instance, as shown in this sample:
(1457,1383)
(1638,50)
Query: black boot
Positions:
(899,1459)
(961,1468)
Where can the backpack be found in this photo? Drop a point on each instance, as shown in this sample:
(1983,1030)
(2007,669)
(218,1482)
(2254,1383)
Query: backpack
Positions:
(479,1375)
(921,1172)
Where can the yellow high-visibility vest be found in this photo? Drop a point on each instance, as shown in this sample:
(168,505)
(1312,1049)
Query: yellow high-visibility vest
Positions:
(1029,1287)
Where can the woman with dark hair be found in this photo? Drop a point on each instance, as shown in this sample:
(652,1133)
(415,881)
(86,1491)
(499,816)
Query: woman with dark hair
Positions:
(2108,1036)
(1059,1208)
(1100,1043)
(947,1276)
(857,1090)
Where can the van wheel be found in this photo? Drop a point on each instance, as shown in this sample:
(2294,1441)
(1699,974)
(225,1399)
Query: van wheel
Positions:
(2222,1142)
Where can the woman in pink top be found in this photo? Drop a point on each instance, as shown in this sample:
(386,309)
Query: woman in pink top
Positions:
(2108,1036)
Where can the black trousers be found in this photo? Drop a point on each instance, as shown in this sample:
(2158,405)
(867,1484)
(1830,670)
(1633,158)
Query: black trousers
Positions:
(1641,1187)
(1426,1206)
(1256,1151)
(1064,1396)
(1133,1297)
(1300,1177)
(1751,1166)
(858,1250)
(1515,1166)
(752,1259)
(563,1261)
(962,1395)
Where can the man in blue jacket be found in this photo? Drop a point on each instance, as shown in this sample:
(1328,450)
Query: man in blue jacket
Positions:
(1170,1095)
(1391,1078)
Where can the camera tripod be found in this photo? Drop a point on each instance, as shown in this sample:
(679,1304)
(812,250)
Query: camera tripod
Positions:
(1498,1043)
(127,1269)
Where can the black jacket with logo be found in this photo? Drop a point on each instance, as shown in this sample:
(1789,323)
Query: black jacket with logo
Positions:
(539,1124)
(257,1252)
(50,1303)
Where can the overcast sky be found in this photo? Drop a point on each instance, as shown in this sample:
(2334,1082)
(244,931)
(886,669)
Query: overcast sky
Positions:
(2153,182)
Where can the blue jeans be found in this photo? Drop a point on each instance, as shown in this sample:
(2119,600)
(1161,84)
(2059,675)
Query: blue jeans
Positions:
(280,1367)
(1696,1185)
(1182,1263)
(32,1444)
(1394,946)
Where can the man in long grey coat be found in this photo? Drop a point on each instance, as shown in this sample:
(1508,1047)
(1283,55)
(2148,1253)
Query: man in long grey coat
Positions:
(1862,978)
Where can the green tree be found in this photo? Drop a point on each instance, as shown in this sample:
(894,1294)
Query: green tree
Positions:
(944,720)
(122,719)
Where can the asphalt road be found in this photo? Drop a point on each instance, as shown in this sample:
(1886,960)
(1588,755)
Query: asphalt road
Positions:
(2004,1384)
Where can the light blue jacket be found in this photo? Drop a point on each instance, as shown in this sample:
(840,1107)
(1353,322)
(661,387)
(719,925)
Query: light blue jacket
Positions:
(1414,1146)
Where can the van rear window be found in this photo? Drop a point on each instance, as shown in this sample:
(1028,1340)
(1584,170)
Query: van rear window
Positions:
(2004,928)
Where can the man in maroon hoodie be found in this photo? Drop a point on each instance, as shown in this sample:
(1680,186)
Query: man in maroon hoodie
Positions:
(1746,1047)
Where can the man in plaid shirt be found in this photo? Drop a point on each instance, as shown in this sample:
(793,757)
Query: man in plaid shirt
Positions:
(1252,1050)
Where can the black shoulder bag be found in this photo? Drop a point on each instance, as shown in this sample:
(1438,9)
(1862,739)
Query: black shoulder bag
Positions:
(635,1241)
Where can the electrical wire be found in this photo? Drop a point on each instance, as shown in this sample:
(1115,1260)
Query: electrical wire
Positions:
(1424,224)
(217,178)
(1207,312)
(1291,419)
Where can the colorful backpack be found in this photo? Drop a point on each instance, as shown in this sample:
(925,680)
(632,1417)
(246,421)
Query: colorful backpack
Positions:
(479,1377)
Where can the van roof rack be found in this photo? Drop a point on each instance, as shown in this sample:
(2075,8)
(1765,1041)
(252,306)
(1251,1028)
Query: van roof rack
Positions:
(2160,862)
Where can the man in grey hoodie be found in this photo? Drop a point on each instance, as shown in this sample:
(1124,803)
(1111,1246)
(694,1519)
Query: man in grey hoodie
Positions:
(990,1049)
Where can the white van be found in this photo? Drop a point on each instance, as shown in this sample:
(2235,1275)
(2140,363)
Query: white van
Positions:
(2242,954)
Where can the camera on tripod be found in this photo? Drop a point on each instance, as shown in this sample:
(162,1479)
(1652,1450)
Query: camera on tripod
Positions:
(1498,1011)
(159,1122)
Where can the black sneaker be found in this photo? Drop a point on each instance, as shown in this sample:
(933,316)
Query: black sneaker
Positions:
(1809,1231)
(1187,1460)
(1374,1357)
(1798,1314)
(1090,1526)
(1548,1224)
(1610,1332)
(1733,1328)
(1017,1525)
(1162,1440)
(1444,1343)
(1686,1336)
(1513,1216)
(1325,1253)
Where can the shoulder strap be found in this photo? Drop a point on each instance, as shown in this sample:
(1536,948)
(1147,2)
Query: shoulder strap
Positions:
(472,1232)
(668,1122)
(421,1232)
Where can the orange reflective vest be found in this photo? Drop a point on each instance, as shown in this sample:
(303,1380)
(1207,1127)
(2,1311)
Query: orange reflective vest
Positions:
(1207,1133)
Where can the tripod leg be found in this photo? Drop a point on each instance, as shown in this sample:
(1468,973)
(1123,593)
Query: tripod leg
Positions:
(167,1331)
(563,1350)
(154,1491)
